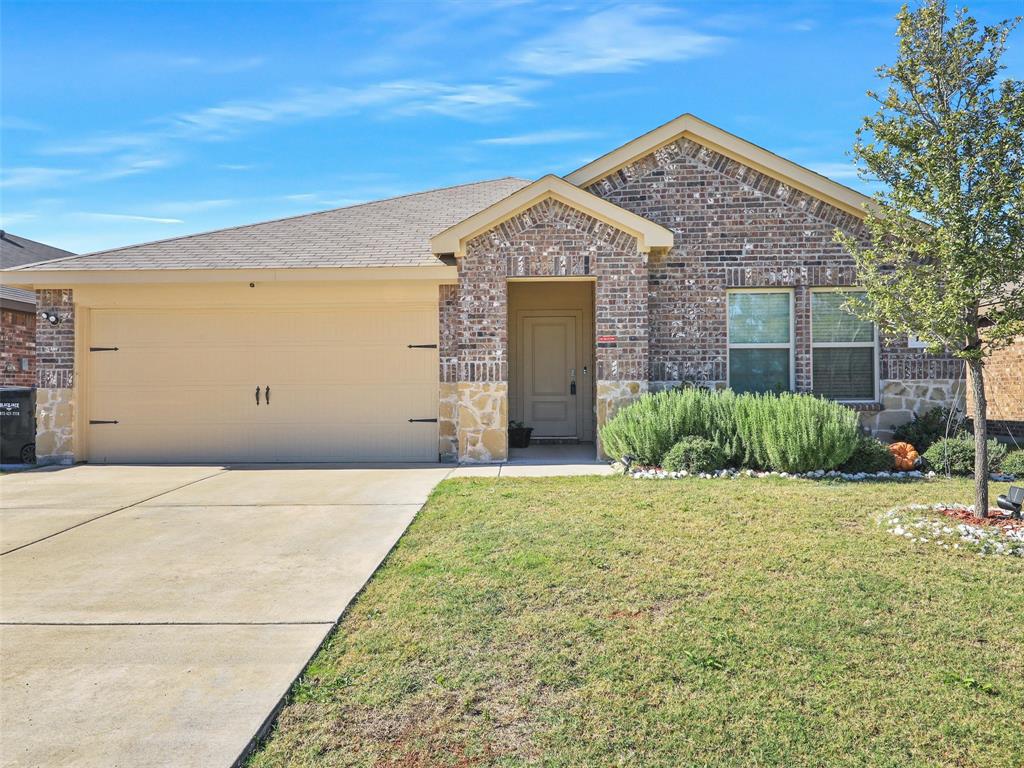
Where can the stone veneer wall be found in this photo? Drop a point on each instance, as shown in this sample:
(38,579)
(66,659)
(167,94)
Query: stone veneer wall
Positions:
(550,239)
(738,228)
(902,399)
(55,378)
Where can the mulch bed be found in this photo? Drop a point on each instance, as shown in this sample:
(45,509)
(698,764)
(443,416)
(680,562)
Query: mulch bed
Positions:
(997,518)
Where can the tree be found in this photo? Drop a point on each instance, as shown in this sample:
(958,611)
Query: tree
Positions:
(945,261)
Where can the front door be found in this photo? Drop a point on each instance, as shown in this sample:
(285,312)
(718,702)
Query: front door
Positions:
(548,364)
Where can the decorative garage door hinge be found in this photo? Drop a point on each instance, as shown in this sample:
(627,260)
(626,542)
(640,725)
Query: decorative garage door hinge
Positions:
(423,420)
(103,349)
(423,346)
(102,421)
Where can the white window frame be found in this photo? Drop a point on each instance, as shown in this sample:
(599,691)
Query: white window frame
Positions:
(873,344)
(791,346)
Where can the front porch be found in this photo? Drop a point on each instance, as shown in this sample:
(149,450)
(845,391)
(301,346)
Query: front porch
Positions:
(548,322)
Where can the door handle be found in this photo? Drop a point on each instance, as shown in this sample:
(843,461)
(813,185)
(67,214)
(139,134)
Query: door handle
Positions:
(266,394)
(572,381)
(257,394)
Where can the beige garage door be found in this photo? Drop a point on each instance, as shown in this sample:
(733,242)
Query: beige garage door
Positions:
(180,385)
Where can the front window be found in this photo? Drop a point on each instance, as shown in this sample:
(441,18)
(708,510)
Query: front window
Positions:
(760,341)
(844,349)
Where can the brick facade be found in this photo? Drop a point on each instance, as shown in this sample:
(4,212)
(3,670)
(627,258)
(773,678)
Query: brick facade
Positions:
(1004,391)
(17,343)
(55,344)
(734,227)
(55,378)
(737,228)
(550,239)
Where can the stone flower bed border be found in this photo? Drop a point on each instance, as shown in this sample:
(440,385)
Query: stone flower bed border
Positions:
(928,524)
(656,473)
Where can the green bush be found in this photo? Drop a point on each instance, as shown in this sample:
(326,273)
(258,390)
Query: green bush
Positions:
(694,455)
(786,432)
(926,429)
(870,455)
(1013,464)
(955,456)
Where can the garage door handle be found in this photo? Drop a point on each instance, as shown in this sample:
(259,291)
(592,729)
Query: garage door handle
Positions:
(423,420)
(266,394)
(257,394)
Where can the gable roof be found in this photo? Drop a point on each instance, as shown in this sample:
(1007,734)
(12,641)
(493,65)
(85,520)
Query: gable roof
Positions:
(16,251)
(704,133)
(648,234)
(387,233)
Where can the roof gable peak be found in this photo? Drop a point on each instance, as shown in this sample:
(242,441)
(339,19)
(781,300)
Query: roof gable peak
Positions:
(732,146)
(648,234)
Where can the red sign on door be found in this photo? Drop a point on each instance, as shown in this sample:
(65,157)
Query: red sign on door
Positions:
(606,338)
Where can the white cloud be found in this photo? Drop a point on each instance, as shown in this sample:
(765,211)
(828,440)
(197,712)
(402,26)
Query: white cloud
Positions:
(156,60)
(235,166)
(36,176)
(12,123)
(619,39)
(8,220)
(182,207)
(471,101)
(129,165)
(538,137)
(803,25)
(126,217)
(836,171)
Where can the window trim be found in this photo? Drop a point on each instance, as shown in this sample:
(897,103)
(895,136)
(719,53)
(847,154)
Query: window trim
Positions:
(791,345)
(873,344)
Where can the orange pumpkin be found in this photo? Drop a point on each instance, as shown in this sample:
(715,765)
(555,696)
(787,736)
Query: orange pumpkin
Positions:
(905,455)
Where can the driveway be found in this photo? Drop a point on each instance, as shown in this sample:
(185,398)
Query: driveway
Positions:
(156,615)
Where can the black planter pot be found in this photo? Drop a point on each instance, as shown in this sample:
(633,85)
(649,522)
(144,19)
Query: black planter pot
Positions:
(519,437)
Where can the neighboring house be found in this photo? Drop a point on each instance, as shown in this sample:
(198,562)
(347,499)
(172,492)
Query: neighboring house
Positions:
(18,311)
(1004,393)
(419,326)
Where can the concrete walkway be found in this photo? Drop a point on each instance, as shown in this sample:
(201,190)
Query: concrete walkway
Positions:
(155,616)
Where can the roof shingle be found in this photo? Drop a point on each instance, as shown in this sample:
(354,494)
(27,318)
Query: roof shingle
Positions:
(387,233)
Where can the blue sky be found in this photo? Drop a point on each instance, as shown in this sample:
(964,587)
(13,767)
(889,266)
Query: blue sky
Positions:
(129,122)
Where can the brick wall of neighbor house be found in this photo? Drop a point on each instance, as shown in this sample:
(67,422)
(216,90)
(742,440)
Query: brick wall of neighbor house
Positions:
(1004,392)
(17,343)
(55,378)
(548,240)
(736,227)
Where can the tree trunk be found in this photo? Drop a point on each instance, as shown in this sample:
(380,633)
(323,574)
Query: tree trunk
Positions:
(980,437)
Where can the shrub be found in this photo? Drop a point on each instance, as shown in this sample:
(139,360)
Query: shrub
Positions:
(870,455)
(1013,464)
(926,429)
(786,433)
(694,454)
(955,455)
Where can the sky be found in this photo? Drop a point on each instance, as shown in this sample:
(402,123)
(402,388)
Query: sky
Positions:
(125,122)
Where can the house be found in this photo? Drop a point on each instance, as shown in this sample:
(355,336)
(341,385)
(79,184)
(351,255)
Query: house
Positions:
(18,311)
(1004,388)
(417,327)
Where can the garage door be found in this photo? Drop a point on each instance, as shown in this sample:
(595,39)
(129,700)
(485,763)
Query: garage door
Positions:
(334,385)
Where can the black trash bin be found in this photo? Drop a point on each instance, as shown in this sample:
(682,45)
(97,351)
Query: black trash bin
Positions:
(18,425)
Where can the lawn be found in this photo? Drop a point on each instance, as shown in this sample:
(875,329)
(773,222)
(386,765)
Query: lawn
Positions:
(612,622)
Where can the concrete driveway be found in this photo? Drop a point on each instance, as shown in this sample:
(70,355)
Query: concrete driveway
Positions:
(156,615)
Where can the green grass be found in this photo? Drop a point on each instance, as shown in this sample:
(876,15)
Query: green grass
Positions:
(611,622)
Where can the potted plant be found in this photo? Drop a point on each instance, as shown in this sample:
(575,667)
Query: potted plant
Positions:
(519,434)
